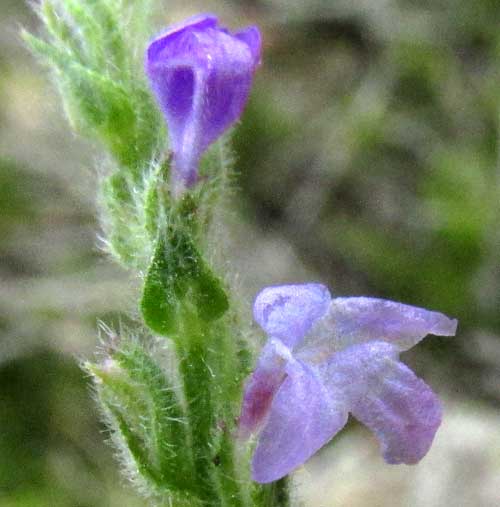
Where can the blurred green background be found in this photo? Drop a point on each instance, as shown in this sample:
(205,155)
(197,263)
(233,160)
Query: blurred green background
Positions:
(368,160)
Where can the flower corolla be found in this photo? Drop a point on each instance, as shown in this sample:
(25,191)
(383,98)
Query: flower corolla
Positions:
(201,76)
(326,358)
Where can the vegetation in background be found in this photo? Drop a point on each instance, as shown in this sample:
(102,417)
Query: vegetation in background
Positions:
(374,154)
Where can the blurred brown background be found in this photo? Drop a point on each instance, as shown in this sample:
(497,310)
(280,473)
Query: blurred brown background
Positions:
(368,160)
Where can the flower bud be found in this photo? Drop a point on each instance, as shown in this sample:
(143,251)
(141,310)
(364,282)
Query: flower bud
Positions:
(201,76)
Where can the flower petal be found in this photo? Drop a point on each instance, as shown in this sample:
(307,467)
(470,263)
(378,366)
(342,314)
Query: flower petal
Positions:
(386,396)
(198,21)
(302,419)
(262,386)
(201,76)
(360,319)
(252,37)
(288,312)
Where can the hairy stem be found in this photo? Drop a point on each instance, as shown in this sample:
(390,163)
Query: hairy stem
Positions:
(275,494)
(197,382)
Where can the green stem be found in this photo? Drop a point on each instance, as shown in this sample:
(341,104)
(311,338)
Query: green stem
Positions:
(230,487)
(209,372)
(226,365)
(197,383)
(275,494)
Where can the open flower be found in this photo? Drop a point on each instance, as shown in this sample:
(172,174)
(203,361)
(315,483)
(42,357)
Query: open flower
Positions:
(201,76)
(327,357)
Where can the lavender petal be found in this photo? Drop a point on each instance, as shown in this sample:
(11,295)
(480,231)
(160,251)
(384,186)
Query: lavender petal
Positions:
(354,320)
(288,312)
(386,396)
(251,36)
(302,419)
(262,386)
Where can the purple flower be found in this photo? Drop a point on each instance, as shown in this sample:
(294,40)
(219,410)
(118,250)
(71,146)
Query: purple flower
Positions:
(327,357)
(201,76)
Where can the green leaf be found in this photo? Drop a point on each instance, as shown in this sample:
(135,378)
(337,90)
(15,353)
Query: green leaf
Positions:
(124,405)
(59,28)
(152,207)
(134,444)
(209,295)
(166,423)
(178,275)
(146,417)
(159,304)
(90,49)
(120,219)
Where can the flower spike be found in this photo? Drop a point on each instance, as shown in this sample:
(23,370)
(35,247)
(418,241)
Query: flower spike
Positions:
(201,76)
(326,358)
